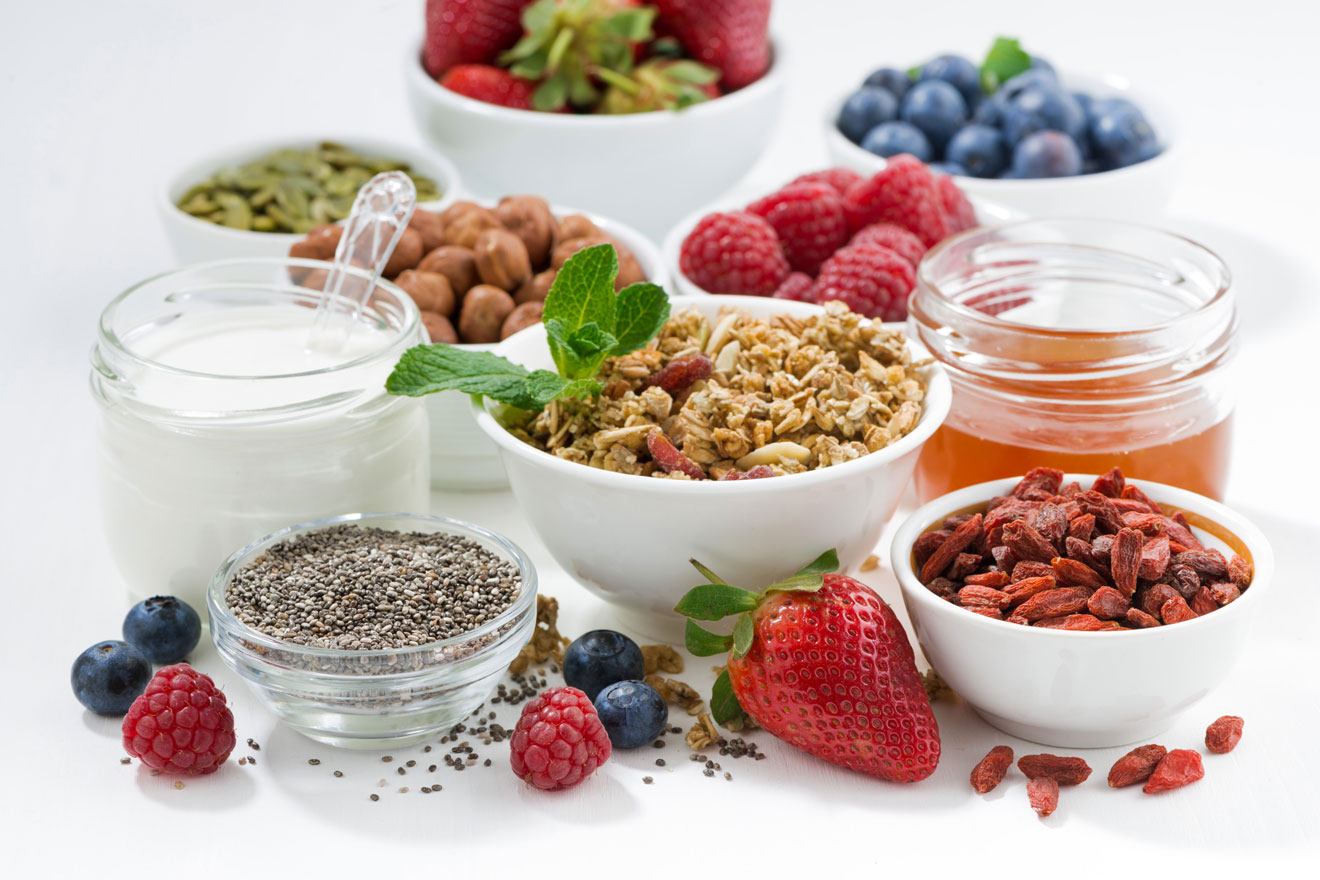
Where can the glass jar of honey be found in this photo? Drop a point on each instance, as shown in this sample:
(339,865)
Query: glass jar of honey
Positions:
(1081,345)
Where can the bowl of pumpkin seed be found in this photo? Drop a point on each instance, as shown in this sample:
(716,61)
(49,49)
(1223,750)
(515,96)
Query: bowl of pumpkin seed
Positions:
(257,200)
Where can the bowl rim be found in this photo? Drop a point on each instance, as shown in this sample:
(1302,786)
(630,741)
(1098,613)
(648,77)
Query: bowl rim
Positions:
(231,628)
(939,398)
(1121,86)
(440,168)
(771,81)
(1262,557)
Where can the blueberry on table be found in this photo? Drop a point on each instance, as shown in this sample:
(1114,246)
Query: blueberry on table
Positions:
(599,659)
(1039,109)
(892,138)
(980,149)
(633,713)
(1122,137)
(108,676)
(937,108)
(958,72)
(1046,154)
(864,110)
(164,629)
(891,79)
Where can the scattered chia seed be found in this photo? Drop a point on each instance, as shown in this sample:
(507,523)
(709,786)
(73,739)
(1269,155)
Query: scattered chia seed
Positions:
(178,786)
(314,761)
(426,748)
(659,762)
(252,744)
(708,772)
(403,790)
(411,764)
(728,776)
(339,774)
(658,744)
(648,780)
(486,763)
(387,758)
(126,760)
(430,769)
(242,761)
(375,797)
(252,759)
(675,730)
(402,772)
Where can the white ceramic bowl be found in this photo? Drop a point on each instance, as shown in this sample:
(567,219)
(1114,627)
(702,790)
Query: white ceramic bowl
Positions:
(628,538)
(646,169)
(987,212)
(194,240)
(462,456)
(1137,192)
(1082,689)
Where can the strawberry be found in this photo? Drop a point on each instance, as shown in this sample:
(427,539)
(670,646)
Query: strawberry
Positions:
(809,220)
(903,192)
(730,35)
(468,32)
(820,661)
(489,84)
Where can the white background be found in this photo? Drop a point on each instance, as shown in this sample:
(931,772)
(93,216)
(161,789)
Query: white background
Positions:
(98,101)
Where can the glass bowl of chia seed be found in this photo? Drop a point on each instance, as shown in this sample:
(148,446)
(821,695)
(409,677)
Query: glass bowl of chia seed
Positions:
(373,630)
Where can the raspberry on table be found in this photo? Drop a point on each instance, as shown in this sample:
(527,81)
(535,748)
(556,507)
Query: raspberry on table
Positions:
(734,252)
(869,279)
(808,220)
(559,740)
(180,724)
(904,192)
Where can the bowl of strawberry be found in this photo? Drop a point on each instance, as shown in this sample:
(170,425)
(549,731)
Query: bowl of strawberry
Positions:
(827,235)
(598,103)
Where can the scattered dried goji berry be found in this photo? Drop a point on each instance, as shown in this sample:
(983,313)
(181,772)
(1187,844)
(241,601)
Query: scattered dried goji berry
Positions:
(668,458)
(985,611)
(1125,560)
(1185,580)
(1179,533)
(963,565)
(1043,794)
(681,372)
(1178,768)
(992,769)
(1062,769)
(1051,523)
(1149,524)
(1054,603)
(1004,558)
(1107,603)
(944,588)
(952,546)
(1223,734)
(1136,766)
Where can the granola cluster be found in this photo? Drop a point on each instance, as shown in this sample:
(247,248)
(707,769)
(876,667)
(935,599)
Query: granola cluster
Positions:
(790,393)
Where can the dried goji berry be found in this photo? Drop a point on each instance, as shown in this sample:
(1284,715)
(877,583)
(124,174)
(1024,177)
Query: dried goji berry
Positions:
(952,522)
(1176,610)
(1020,591)
(1185,580)
(1082,527)
(983,596)
(1239,572)
(992,769)
(1054,603)
(1081,551)
(1041,479)
(1223,734)
(952,546)
(985,611)
(1203,602)
(1125,560)
(1108,604)
(1063,770)
(926,544)
(1223,593)
(668,458)
(760,472)
(1052,524)
(944,588)
(1132,493)
(1072,573)
(1028,543)
(963,565)
(1207,563)
(1136,766)
(1110,485)
(996,579)
(1138,619)
(1154,597)
(1149,524)
(1077,623)
(1043,794)
(1004,557)
(1178,768)
(1032,569)
(681,372)
(1107,519)
(1179,533)
(1154,559)
(1069,489)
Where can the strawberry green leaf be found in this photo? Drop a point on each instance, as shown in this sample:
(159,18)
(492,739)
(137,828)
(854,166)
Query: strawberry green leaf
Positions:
(551,94)
(707,573)
(810,578)
(704,643)
(632,24)
(715,602)
(692,72)
(724,705)
(823,564)
(743,632)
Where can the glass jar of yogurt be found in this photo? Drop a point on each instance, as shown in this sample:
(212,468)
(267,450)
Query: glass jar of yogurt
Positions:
(221,421)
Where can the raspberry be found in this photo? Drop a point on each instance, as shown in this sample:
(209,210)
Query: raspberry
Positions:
(958,212)
(839,178)
(808,219)
(869,279)
(796,286)
(733,253)
(559,740)
(903,193)
(894,237)
(180,724)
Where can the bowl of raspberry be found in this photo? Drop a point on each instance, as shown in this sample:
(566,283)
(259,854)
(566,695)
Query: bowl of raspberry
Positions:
(827,235)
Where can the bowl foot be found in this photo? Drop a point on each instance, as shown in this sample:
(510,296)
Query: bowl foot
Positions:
(1117,735)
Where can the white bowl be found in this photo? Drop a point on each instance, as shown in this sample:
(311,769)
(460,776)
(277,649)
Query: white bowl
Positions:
(628,538)
(1137,192)
(462,456)
(194,240)
(646,169)
(988,213)
(1081,689)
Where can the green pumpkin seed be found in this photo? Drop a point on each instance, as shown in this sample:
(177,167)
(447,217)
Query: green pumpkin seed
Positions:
(237,214)
(262,223)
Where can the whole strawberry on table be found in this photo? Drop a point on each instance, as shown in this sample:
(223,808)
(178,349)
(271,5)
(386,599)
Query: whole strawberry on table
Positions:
(596,56)
(821,662)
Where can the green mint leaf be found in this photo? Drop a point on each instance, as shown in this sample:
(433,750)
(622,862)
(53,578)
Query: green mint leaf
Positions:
(1005,60)
(704,643)
(425,369)
(641,310)
(715,601)
(724,705)
(742,635)
(590,340)
(707,573)
(914,71)
(544,386)
(582,293)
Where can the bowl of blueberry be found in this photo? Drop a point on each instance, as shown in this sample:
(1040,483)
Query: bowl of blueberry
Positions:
(1015,131)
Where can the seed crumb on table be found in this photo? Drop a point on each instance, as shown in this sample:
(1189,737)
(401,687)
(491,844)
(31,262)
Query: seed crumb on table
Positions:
(870,563)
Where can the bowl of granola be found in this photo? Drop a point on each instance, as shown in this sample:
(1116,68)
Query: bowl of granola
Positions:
(751,434)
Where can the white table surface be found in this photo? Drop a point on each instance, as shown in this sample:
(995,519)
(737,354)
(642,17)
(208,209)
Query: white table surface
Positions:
(99,100)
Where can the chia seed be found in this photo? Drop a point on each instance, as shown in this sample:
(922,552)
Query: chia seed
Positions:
(313,761)
(375,797)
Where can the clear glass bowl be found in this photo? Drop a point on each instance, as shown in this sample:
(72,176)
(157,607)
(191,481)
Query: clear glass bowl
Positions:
(375,699)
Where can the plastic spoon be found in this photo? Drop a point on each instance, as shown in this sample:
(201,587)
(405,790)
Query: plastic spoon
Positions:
(380,213)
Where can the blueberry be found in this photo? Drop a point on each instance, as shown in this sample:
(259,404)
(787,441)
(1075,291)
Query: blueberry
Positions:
(1038,63)
(1123,137)
(1084,101)
(1038,109)
(958,72)
(1100,106)
(991,111)
(632,712)
(980,149)
(1047,154)
(891,79)
(892,138)
(950,168)
(108,676)
(864,110)
(599,659)
(1028,79)
(164,629)
(937,108)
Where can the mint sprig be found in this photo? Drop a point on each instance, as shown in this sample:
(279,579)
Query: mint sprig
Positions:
(1005,60)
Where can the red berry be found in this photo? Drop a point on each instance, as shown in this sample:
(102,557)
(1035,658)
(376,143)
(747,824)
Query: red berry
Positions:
(839,178)
(958,212)
(733,253)
(1178,768)
(489,84)
(903,193)
(467,31)
(180,723)
(796,286)
(559,740)
(730,35)
(894,237)
(869,279)
(808,219)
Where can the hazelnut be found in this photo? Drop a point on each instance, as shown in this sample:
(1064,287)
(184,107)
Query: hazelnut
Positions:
(430,227)
(457,264)
(502,259)
(576,226)
(407,253)
(529,218)
(483,313)
(430,290)
(630,271)
(315,279)
(534,289)
(320,244)
(468,224)
(524,316)
(439,328)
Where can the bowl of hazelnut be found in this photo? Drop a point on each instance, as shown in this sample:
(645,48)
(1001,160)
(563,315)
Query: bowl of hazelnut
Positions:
(479,272)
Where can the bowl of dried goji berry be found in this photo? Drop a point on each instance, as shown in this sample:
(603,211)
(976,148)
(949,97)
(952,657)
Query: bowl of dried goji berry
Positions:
(1080,617)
